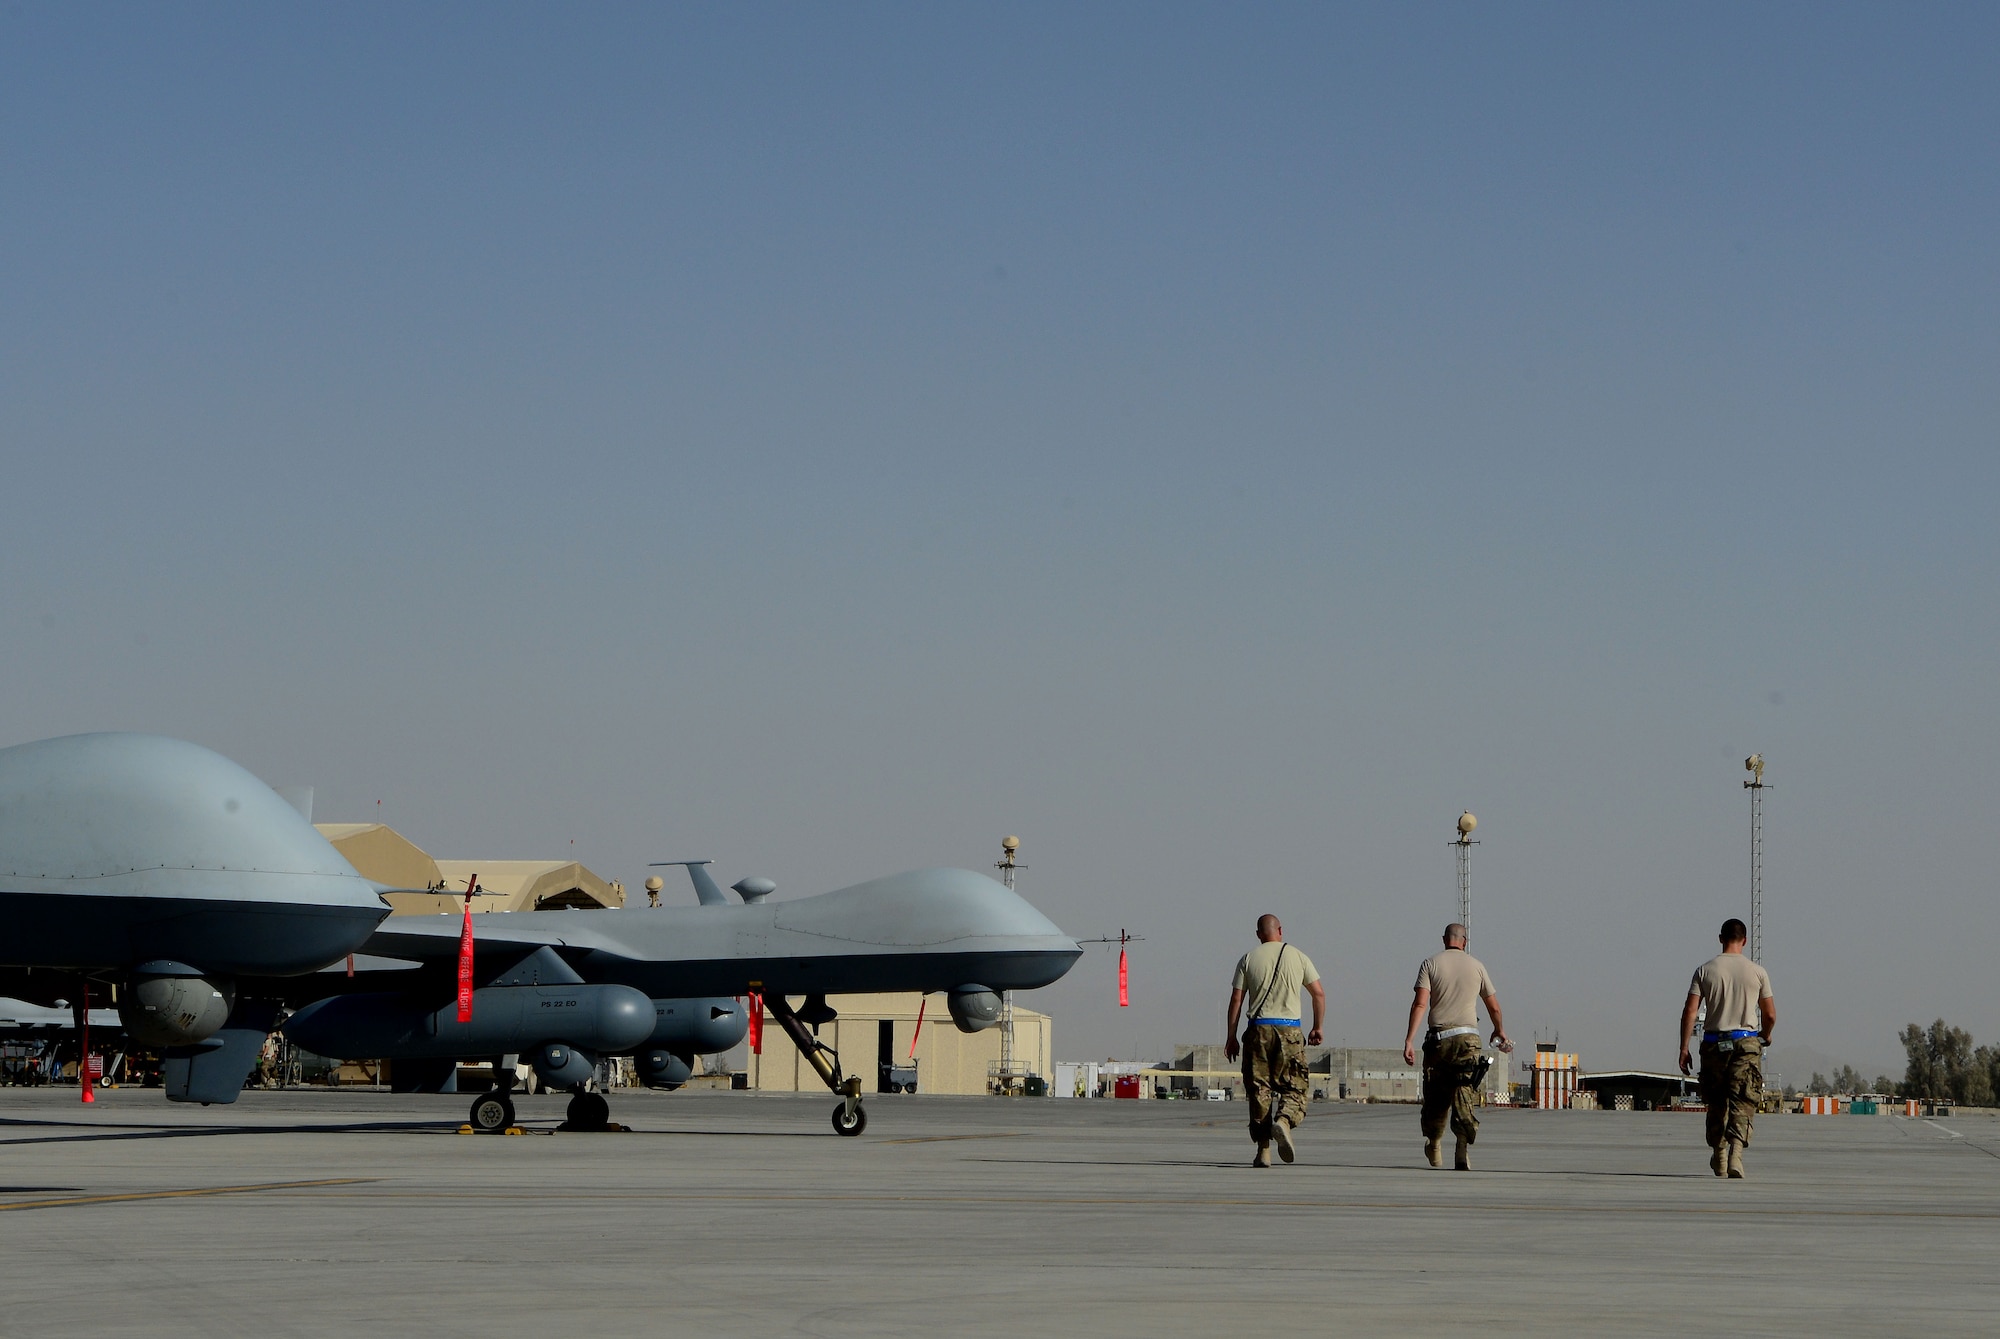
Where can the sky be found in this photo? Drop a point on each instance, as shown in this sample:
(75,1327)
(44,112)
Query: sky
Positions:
(1218,447)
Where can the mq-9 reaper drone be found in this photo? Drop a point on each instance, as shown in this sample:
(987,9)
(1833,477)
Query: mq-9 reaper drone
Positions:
(565,988)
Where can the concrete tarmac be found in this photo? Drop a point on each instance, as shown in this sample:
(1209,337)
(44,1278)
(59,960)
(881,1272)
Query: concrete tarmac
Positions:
(336,1213)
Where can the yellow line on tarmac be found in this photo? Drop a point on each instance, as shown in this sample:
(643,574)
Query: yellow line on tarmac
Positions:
(183,1194)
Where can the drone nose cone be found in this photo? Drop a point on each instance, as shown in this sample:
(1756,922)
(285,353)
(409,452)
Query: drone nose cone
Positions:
(996,906)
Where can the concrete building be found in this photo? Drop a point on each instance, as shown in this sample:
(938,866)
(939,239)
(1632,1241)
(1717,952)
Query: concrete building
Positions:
(381,853)
(872,1028)
(1339,1073)
(1374,1074)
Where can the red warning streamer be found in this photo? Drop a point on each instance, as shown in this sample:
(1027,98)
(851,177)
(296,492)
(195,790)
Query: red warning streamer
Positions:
(756,1023)
(1124,982)
(922,1000)
(465,955)
(83,1056)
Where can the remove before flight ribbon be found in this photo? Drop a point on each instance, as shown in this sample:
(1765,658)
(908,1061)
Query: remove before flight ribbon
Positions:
(465,955)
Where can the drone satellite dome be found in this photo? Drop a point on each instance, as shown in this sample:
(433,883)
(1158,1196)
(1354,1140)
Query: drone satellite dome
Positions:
(754,889)
(1466,823)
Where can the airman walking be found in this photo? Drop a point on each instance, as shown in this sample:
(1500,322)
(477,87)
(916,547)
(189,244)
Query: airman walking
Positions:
(1740,1015)
(1272,1046)
(1450,987)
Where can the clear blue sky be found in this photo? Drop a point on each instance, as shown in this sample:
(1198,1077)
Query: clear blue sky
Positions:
(1218,447)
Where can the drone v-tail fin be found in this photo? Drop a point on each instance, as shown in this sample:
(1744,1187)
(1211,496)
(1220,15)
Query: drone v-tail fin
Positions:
(698,875)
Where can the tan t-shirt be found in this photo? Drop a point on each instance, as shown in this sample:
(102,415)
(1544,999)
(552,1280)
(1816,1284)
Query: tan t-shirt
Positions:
(1457,981)
(1295,971)
(1730,985)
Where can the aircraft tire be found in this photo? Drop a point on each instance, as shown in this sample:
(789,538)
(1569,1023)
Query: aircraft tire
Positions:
(844,1126)
(492,1112)
(589,1111)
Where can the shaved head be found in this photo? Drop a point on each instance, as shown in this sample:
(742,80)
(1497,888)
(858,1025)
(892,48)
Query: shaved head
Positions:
(1268,928)
(1454,935)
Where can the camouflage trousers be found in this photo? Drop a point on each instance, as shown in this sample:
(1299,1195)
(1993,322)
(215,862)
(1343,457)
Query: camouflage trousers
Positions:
(1451,1069)
(1732,1080)
(1274,1077)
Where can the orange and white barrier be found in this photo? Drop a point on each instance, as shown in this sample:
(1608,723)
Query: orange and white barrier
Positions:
(1554,1080)
(1912,1108)
(1819,1106)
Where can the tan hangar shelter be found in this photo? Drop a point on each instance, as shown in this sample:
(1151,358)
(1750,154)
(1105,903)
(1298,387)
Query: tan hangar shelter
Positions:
(379,852)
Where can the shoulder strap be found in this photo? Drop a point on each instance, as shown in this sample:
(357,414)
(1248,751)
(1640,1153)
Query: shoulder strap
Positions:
(1270,984)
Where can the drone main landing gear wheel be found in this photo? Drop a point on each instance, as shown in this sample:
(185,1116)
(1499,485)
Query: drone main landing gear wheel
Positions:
(588,1112)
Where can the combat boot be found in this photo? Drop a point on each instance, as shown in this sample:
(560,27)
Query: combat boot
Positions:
(1718,1159)
(1263,1158)
(1281,1135)
(1459,1160)
(1434,1151)
(1735,1160)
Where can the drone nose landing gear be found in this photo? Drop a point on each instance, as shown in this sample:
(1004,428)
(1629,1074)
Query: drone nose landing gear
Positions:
(850,1117)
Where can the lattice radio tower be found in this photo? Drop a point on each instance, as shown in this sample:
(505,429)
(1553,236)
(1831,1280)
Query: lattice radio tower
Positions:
(1007,866)
(1754,764)
(1464,843)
